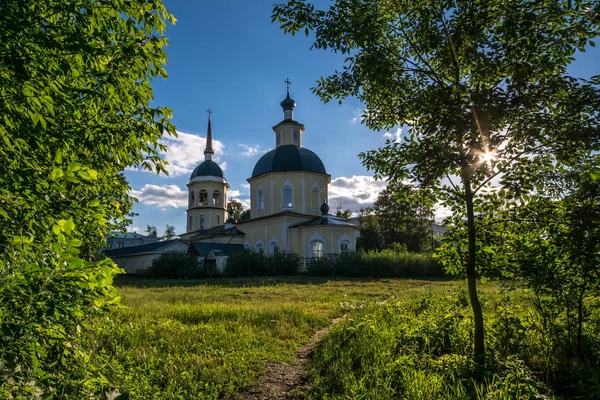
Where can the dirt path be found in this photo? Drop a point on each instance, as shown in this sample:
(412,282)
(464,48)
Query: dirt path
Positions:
(287,381)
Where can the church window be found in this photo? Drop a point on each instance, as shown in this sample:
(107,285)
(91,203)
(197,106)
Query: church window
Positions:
(287,198)
(216,198)
(344,247)
(274,247)
(260,200)
(287,195)
(218,219)
(259,248)
(192,199)
(203,198)
(295,137)
(314,198)
(190,225)
(317,249)
(201,221)
(278,138)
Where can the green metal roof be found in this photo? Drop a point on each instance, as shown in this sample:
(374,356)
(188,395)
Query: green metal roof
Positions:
(143,248)
(203,249)
(325,220)
(208,167)
(220,230)
(289,158)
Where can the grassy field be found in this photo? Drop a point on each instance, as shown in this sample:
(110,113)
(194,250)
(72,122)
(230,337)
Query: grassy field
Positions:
(210,339)
(401,339)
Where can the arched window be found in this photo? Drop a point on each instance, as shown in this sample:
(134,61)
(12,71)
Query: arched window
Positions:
(216,198)
(344,246)
(218,218)
(287,195)
(273,247)
(192,199)
(190,225)
(259,248)
(295,137)
(287,198)
(278,139)
(314,198)
(317,249)
(203,198)
(260,199)
(201,221)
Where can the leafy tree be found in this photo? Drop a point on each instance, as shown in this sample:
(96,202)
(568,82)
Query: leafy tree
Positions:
(481,85)
(245,216)
(404,216)
(169,233)
(370,238)
(151,231)
(558,251)
(75,99)
(343,214)
(236,208)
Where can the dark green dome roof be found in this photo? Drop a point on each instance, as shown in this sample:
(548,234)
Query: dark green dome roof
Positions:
(288,103)
(208,167)
(289,158)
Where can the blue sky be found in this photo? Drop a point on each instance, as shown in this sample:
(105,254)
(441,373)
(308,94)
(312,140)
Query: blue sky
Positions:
(227,56)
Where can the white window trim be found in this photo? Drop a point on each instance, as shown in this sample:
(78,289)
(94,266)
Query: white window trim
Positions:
(287,185)
(258,191)
(257,244)
(316,237)
(274,242)
(344,239)
(316,187)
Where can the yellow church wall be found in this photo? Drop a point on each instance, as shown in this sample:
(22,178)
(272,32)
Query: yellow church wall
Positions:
(329,234)
(302,184)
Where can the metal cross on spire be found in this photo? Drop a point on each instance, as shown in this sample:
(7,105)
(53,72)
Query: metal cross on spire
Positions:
(288,83)
(209,112)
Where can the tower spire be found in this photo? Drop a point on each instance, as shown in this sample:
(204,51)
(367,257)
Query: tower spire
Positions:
(288,103)
(208,152)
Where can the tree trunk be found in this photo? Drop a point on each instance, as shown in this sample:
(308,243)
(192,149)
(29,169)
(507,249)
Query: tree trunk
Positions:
(579,344)
(472,280)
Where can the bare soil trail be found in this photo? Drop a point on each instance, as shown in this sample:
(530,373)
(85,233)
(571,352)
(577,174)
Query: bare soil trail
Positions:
(287,381)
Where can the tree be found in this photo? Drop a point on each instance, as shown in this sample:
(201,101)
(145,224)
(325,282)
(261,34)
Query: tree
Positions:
(169,233)
(557,248)
(151,231)
(75,98)
(345,214)
(404,216)
(245,216)
(481,86)
(236,209)
(370,238)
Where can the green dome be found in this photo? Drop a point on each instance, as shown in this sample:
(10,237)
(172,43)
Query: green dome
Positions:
(208,167)
(288,103)
(289,158)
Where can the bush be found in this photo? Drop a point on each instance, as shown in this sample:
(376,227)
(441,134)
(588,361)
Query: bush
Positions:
(251,263)
(175,265)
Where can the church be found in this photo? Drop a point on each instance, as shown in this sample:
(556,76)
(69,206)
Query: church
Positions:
(288,201)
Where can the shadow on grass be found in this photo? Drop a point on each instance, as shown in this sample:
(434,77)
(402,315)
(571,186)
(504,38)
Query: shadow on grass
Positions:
(142,282)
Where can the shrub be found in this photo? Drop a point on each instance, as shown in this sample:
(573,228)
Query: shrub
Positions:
(251,263)
(175,265)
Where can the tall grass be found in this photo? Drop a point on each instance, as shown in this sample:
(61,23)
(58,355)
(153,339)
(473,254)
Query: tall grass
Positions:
(421,348)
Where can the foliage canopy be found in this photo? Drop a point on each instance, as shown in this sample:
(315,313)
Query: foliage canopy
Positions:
(75,100)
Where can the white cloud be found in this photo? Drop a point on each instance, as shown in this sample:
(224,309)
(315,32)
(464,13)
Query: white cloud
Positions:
(357,116)
(234,193)
(252,150)
(245,203)
(185,152)
(396,136)
(245,185)
(135,229)
(166,196)
(354,193)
